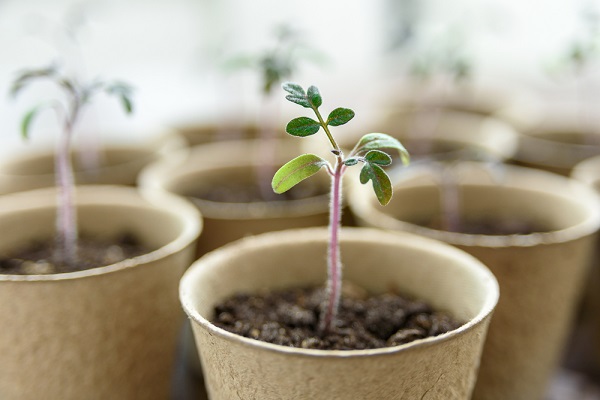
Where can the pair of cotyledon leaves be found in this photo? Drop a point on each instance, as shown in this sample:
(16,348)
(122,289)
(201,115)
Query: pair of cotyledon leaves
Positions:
(367,150)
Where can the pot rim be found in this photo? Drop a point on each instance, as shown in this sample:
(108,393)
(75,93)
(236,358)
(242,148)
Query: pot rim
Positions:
(308,235)
(171,204)
(521,178)
(182,165)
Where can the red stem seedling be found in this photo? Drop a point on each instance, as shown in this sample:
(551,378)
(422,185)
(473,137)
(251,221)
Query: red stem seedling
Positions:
(368,151)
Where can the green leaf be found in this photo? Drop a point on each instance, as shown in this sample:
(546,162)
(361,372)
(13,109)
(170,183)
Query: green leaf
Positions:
(295,171)
(296,94)
(351,161)
(28,118)
(302,126)
(27,75)
(378,157)
(376,141)
(314,96)
(381,182)
(123,92)
(340,116)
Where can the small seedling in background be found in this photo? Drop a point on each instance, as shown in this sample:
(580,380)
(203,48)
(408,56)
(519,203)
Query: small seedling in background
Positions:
(367,151)
(577,59)
(274,65)
(77,95)
(440,70)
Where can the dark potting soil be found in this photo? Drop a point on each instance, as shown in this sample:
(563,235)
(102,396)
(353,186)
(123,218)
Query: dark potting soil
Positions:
(491,227)
(39,258)
(290,318)
(242,192)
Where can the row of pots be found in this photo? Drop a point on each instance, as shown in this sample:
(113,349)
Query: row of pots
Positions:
(176,173)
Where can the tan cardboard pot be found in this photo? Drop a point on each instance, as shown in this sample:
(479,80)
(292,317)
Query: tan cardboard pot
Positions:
(197,133)
(558,142)
(443,367)
(119,164)
(584,355)
(540,274)
(458,134)
(104,333)
(212,165)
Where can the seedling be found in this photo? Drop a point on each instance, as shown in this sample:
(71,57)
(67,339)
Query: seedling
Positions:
(368,151)
(77,96)
(446,66)
(578,59)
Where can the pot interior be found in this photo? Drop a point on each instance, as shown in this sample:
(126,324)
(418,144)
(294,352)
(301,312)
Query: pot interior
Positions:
(439,274)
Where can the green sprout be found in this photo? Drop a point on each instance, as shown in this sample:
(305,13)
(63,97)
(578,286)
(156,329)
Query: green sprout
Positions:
(78,95)
(368,151)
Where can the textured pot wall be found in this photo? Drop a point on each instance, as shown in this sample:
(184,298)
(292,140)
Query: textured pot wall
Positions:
(104,333)
(211,165)
(557,143)
(540,275)
(121,165)
(441,368)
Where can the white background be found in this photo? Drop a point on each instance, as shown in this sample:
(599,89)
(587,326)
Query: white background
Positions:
(171,52)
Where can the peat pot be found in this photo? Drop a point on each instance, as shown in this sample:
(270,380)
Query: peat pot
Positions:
(104,333)
(442,367)
(540,274)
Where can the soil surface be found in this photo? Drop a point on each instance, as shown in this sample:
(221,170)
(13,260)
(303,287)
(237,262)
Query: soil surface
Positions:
(39,258)
(242,192)
(290,318)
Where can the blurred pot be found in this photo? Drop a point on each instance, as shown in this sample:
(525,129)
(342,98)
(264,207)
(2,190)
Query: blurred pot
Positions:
(540,274)
(103,333)
(118,164)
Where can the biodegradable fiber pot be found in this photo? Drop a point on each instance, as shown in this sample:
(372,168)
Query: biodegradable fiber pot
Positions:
(118,164)
(585,344)
(104,333)
(443,367)
(558,142)
(213,165)
(448,132)
(540,274)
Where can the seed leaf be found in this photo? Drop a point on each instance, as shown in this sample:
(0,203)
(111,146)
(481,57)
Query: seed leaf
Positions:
(302,126)
(314,96)
(123,92)
(381,182)
(28,118)
(295,171)
(296,94)
(378,157)
(351,161)
(376,141)
(340,116)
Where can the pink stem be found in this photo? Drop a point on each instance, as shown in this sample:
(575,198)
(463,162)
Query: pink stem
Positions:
(66,223)
(334,265)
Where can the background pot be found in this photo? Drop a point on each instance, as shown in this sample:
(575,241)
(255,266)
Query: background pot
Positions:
(447,133)
(558,141)
(120,163)
(584,354)
(198,133)
(104,333)
(540,275)
(444,367)
(213,165)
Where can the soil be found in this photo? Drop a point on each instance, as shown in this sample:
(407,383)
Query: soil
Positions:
(491,227)
(290,318)
(38,258)
(242,192)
